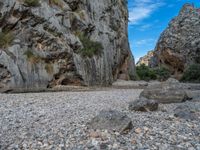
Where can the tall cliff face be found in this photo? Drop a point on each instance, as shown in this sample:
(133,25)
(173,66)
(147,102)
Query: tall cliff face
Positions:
(179,44)
(63,42)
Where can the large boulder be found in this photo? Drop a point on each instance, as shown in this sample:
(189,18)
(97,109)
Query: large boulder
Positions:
(111,120)
(170,91)
(194,95)
(144,105)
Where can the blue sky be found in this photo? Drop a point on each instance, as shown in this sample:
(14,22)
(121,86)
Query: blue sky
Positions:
(147,20)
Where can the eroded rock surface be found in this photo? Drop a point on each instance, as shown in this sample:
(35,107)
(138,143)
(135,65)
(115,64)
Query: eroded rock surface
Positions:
(4,77)
(144,105)
(170,91)
(44,43)
(148,59)
(187,112)
(179,44)
(111,120)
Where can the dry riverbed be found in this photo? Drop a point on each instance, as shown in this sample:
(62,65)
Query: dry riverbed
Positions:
(59,121)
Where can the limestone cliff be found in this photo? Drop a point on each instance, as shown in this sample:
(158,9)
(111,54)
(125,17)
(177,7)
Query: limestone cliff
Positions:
(45,43)
(179,44)
(147,59)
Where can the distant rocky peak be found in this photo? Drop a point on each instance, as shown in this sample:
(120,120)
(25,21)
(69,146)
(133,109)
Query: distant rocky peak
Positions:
(146,59)
(187,8)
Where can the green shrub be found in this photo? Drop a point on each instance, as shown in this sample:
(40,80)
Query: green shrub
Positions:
(162,73)
(6,39)
(34,59)
(192,74)
(145,73)
(90,47)
(134,77)
(49,68)
(57,3)
(32,3)
(81,14)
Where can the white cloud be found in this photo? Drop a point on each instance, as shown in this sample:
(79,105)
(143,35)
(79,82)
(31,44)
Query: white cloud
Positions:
(149,41)
(145,27)
(142,9)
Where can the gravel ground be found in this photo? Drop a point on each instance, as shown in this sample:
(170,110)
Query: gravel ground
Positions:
(58,121)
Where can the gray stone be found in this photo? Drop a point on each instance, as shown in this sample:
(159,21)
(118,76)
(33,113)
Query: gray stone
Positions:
(146,60)
(111,120)
(186,112)
(165,96)
(143,104)
(196,99)
(170,91)
(194,95)
(172,80)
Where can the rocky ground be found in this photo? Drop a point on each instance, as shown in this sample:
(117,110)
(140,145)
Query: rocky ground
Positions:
(59,121)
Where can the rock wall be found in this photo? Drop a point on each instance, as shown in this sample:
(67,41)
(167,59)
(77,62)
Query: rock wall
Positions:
(179,44)
(63,42)
(147,59)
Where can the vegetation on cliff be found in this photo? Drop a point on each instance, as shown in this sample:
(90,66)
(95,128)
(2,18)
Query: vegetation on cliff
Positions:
(90,47)
(6,39)
(32,3)
(192,73)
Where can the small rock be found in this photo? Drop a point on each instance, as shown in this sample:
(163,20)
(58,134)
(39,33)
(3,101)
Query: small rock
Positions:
(115,146)
(146,129)
(138,130)
(143,104)
(133,141)
(143,84)
(95,134)
(172,80)
(103,146)
(95,142)
(185,112)
(111,120)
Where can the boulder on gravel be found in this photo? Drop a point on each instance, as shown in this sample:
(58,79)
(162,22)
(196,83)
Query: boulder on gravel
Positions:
(186,112)
(165,96)
(172,80)
(196,99)
(170,91)
(194,95)
(144,105)
(111,120)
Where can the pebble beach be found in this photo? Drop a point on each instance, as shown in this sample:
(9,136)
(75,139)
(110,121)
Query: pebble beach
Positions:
(59,120)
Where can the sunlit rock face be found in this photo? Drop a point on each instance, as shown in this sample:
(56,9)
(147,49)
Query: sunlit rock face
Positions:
(179,44)
(64,42)
(147,59)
